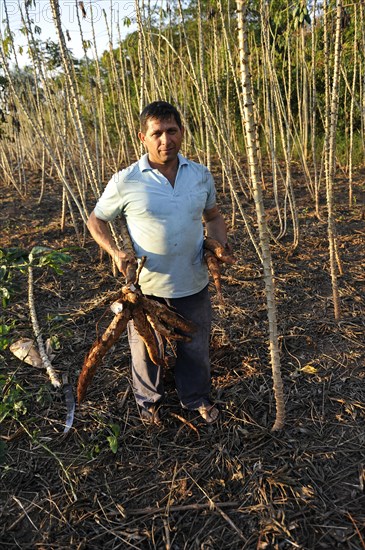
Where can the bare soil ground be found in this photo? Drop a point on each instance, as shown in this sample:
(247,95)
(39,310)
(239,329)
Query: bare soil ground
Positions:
(187,485)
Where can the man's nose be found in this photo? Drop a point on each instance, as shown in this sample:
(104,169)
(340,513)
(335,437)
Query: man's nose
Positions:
(165,137)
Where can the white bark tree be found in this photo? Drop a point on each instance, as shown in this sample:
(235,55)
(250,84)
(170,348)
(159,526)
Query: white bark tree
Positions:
(252,158)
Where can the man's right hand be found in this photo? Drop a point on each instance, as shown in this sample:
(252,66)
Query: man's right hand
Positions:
(126,263)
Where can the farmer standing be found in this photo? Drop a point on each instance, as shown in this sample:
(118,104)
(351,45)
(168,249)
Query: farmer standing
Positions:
(164,198)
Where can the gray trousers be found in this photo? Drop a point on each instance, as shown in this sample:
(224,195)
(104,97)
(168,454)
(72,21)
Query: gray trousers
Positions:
(192,367)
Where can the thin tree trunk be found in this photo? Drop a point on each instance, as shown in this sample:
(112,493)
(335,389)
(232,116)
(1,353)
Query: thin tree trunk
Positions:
(251,141)
(353,91)
(330,138)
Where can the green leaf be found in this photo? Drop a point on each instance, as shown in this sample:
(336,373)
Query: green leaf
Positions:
(37,250)
(4,296)
(55,343)
(6,46)
(113,443)
(115,428)
(19,407)
(5,329)
(4,343)
(12,254)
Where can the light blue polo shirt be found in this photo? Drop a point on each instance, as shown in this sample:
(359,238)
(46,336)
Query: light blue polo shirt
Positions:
(164,222)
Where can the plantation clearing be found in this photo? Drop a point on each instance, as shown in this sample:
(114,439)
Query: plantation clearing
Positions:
(113,482)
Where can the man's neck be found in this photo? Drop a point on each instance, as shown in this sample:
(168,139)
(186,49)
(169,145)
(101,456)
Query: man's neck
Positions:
(169,170)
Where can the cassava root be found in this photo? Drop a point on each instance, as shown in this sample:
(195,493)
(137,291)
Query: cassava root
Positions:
(99,349)
(214,255)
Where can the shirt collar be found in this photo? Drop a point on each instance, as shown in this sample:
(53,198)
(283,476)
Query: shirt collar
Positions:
(145,165)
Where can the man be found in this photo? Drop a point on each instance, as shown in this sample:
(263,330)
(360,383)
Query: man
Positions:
(164,197)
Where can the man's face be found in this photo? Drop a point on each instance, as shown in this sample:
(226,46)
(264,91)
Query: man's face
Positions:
(162,140)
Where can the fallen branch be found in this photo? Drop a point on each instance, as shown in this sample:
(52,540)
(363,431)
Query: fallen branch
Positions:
(180,508)
(37,332)
(184,423)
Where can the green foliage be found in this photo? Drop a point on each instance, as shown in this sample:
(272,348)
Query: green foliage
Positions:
(301,16)
(7,43)
(54,260)
(11,259)
(106,437)
(113,438)
(16,260)
(289,40)
(44,396)
(342,149)
(5,330)
(13,399)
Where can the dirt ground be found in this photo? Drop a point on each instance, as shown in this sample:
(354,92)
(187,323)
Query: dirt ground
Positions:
(186,485)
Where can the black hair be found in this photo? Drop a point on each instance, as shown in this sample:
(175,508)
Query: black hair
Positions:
(160,110)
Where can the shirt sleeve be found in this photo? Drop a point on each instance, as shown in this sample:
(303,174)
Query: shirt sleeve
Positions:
(211,198)
(110,204)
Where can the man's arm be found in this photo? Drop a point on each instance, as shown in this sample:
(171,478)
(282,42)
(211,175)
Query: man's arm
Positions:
(215,225)
(100,232)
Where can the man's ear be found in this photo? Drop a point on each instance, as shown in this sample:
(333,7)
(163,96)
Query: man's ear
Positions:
(142,136)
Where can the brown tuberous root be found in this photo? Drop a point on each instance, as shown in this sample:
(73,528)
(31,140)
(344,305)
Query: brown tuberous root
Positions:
(99,349)
(215,271)
(219,251)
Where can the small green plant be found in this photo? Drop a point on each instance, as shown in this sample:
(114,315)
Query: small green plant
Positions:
(5,329)
(48,257)
(93,451)
(113,438)
(11,259)
(109,433)
(13,399)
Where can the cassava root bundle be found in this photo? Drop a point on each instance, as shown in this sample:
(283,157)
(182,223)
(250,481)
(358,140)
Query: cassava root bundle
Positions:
(149,317)
(153,320)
